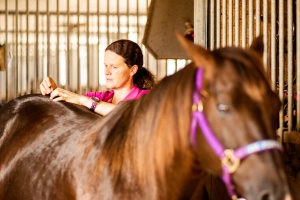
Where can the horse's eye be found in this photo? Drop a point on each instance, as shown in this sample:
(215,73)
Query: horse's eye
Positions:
(223,107)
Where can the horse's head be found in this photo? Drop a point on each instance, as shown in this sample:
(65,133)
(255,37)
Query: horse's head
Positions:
(235,112)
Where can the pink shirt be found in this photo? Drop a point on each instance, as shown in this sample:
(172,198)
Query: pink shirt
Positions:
(107,96)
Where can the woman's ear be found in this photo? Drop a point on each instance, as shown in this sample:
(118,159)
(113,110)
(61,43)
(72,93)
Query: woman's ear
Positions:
(133,69)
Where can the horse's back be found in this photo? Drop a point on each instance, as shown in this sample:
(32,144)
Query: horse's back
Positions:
(39,139)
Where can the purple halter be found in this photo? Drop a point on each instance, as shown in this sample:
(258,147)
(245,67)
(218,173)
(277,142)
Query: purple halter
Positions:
(230,159)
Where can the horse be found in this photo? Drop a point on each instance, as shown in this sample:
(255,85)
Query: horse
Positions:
(215,116)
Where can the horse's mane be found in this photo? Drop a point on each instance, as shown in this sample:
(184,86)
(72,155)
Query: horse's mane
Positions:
(137,147)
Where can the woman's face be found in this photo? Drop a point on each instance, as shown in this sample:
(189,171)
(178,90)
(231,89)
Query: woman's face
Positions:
(118,75)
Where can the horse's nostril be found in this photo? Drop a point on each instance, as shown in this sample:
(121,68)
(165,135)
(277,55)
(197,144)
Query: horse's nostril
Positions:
(265,196)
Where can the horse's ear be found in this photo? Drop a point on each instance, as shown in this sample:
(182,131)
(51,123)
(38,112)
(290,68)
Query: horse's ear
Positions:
(198,54)
(258,45)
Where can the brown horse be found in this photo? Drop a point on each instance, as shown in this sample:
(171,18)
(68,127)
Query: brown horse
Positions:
(147,148)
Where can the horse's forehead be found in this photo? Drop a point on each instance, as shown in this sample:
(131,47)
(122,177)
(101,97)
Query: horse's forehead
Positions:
(241,80)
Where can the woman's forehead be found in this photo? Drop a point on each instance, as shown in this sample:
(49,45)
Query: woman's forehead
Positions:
(111,57)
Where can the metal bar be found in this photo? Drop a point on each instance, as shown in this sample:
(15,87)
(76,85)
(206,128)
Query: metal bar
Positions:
(290,63)
(107,22)
(237,23)
(57,43)
(48,38)
(212,25)
(273,45)
(265,32)
(98,46)
(37,47)
(89,76)
(61,13)
(230,13)
(224,22)
(118,19)
(137,20)
(298,63)
(218,24)
(258,17)
(244,23)
(78,50)
(27,49)
(250,27)
(281,63)
(127,17)
(6,50)
(16,93)
(68,46)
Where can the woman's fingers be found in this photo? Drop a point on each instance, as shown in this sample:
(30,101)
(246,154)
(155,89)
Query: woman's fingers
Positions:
(47,86)
(60,94)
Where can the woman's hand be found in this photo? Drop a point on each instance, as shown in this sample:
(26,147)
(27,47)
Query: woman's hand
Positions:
(60,94)
(47,86)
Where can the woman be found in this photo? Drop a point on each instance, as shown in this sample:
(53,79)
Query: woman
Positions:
(125,76)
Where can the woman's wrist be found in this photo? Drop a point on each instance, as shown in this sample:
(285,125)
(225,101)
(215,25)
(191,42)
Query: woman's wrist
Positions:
(95,102)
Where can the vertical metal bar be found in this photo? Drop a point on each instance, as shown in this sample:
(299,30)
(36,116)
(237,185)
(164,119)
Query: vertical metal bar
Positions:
(118,19)
(237,23)
(273,44)
(244,23)
(27,49)
(200,22)
(58,43)
(37,47)
(48,38)
(212,25)
(250,11)
(218,24)
(230,23)
(290,63)
(98,46)
(258,17)
(224,22)
(298,63)
(17,52)
(127,18)
(107,22)
(281,63)
(68,46)
(88,46)
(6,49)
(78,50)
(137,21)
(265,31)
(20,63)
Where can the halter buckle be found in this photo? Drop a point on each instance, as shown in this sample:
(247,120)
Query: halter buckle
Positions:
(197,106)
(230,161)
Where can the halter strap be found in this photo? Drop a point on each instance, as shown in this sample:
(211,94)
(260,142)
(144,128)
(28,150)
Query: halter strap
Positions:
(230,159)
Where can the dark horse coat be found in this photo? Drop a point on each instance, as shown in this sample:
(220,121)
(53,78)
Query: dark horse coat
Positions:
(142,149)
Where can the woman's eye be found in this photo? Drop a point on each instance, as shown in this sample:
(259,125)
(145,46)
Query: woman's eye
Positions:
(223,107)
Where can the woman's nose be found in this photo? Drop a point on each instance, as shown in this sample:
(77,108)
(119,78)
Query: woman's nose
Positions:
(107,70)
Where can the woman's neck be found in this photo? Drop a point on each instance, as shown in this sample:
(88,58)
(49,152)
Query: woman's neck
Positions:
(120,94)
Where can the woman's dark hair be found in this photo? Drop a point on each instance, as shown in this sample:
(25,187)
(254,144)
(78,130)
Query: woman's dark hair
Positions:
(133,55)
